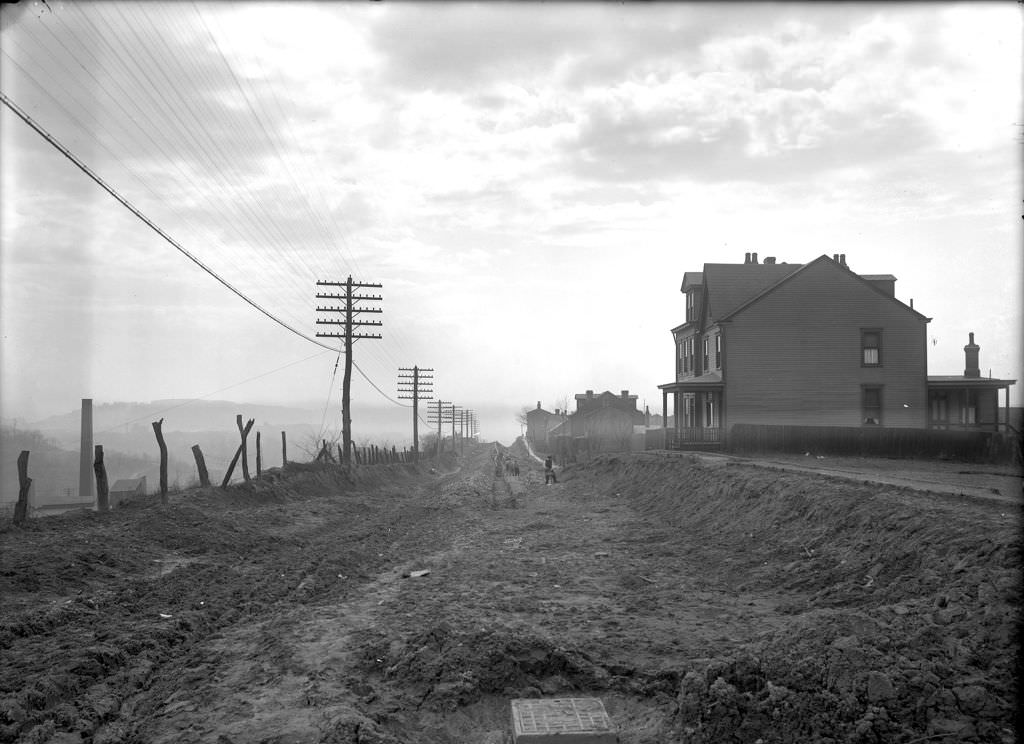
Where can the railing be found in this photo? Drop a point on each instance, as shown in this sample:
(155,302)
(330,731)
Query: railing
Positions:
(693,435)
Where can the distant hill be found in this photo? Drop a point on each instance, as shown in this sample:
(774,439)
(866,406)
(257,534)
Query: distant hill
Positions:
(178,415)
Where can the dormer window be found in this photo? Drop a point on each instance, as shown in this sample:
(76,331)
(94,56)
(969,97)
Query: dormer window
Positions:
(691,306)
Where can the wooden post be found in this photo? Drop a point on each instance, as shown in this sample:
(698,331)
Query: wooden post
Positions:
(238,453)
(245,454)
(24,483)
(259,457)
(157,426)
(204,474)
(102,489)
(284,450)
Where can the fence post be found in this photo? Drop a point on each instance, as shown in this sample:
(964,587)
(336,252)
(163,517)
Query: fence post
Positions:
(102,490)
(245,453)
(259,457)
(204,474)
(284,450)
(157,429)
(238,453)
(24,483)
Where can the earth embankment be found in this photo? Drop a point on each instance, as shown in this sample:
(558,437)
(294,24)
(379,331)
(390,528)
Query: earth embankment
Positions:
(703,601)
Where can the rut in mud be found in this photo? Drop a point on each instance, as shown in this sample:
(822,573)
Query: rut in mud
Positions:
(702,601)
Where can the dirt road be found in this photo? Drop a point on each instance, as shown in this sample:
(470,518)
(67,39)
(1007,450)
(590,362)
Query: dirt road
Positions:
(703,601)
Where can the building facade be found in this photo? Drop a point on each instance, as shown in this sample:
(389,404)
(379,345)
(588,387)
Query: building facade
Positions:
(801,344)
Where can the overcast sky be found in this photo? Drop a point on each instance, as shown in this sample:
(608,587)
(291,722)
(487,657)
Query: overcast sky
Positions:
(528,182)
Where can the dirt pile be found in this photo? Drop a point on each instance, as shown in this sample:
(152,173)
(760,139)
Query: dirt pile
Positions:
(905,608)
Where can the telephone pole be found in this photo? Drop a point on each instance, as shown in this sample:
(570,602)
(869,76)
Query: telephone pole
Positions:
(421,383)
(456,410)
(350,333)
(439,417)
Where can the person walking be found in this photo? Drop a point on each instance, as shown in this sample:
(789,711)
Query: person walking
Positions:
(549,471)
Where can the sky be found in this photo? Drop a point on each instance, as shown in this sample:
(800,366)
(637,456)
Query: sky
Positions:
(527,182)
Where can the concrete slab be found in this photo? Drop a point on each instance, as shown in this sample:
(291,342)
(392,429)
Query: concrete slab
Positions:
(561,721)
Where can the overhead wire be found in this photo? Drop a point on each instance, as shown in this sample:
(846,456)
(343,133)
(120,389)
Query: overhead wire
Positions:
(85,169)
(210,151)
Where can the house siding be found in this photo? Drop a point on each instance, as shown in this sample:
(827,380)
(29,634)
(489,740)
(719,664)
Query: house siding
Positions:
(794,356)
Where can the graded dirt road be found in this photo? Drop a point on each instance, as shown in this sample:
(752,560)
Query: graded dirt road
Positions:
(701,600)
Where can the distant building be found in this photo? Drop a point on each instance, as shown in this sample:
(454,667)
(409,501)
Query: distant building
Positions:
(540,423)
(127,490)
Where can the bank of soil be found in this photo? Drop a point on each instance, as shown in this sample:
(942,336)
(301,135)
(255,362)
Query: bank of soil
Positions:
(702,600)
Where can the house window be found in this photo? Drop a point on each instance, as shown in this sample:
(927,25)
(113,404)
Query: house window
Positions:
(718,351)
(690,304)
(689,353)
(706,365)
(871,347)
(680,356)
(871,405)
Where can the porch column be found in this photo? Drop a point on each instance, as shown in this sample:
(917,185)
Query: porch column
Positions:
(1006,409)
(664,409)
(698,410)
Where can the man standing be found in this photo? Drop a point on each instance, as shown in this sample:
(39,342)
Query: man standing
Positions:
(549,471)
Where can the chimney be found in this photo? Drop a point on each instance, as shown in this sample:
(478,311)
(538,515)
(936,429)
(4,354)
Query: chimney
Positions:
(746,258)
(842,259)
(86,488)
(538,405)
(769,260)
(590,393)
(835,257)
(625,393)
(753,258)
(971,368)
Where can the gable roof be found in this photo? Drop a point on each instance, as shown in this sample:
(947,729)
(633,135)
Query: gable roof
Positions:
(730,286)
(800,269)
(692,279)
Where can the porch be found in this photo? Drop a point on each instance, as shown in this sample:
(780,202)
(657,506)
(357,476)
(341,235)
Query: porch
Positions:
(697,404)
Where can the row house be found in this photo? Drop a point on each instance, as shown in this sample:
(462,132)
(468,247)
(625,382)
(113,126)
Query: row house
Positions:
(807,344)
(540,423)
(604,421)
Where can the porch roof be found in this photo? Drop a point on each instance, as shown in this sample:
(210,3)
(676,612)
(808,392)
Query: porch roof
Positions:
(707,381)
(947,382)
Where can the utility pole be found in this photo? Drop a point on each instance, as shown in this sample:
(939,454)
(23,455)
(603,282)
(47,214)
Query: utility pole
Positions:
(438,417)
(421,383)
(454,415)
(350,334)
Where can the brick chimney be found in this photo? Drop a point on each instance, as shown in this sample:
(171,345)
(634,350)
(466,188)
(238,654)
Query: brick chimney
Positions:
(590,393)
(971,368)
(746,258)
(538,405)
(625,393)
(753,258)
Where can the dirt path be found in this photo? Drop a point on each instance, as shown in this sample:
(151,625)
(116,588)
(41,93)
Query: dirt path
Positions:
(702,600)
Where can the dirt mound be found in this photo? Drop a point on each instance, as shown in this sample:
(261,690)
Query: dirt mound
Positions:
(443,667)
(905,605)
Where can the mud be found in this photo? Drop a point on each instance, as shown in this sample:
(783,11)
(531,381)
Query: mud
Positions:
(701,600)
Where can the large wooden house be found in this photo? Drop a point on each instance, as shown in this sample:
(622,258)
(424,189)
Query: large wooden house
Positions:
(801,344)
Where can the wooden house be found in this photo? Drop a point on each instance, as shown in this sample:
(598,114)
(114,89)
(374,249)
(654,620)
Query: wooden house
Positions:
(800,344)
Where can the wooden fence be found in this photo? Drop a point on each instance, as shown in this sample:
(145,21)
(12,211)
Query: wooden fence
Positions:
(869,442)
(368,455)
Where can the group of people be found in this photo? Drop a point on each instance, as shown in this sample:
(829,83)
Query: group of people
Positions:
(510,466)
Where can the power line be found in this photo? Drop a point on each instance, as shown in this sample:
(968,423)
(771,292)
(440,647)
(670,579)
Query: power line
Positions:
(85,169)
